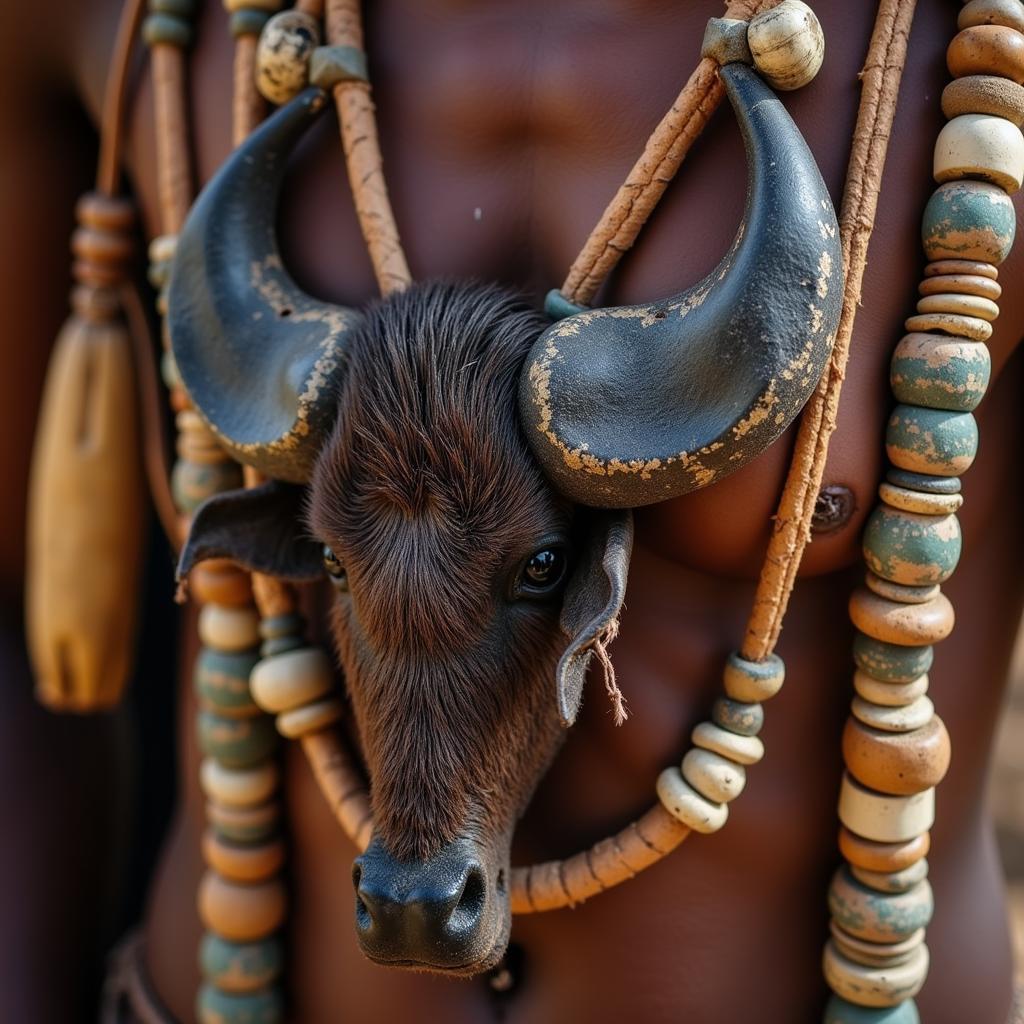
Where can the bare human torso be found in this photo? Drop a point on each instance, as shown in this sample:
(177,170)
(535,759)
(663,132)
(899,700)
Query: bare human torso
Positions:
(506,127)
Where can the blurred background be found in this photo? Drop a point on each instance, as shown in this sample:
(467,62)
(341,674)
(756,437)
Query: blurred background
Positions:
(1007,795)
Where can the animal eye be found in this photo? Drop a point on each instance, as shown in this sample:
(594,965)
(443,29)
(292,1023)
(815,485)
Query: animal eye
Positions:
(542,572)
(335,569)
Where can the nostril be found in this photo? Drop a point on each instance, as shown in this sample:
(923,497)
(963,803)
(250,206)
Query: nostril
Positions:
(471,900)
(357,874)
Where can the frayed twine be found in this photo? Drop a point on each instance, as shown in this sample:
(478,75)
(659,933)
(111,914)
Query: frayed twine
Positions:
(600,647)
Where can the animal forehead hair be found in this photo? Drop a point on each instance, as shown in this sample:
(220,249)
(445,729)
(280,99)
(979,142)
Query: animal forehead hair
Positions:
(428,417)
(427,470)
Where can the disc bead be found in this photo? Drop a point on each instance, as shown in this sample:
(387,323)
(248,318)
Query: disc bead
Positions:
(875,916)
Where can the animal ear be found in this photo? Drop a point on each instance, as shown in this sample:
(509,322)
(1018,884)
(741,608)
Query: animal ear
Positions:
(590,611)
(261,529)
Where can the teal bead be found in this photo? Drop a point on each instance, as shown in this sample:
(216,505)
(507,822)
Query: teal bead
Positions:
(193,482)
(737,716)
(236,742)
(216,1007)
(248,22)
(168,29)
(281,644)
(890,663)
(924,482)
(879,916)
(178,8)
(222,681)
(839,1011)
(940,373)
(277,626)
(911,548)
(240,966)
(968,220)
(931,440)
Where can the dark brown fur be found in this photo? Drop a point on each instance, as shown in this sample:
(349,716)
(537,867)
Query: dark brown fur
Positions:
(429,497)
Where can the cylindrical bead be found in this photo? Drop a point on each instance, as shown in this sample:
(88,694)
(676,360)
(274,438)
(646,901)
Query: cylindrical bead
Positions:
(753,681)
(891,663)
(882,816)
(898,763)
(980,146)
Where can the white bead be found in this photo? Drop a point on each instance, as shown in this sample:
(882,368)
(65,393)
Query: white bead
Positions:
(282,56)
(875,986)
(687,805)
(980,146)
(888,694)
(897,718)
(787,44)
(289,680)
(741,749)
(229,629)
(884,818)
(234,787)
(714,776)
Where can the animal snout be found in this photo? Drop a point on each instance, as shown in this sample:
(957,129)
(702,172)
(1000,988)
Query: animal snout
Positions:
(443,913)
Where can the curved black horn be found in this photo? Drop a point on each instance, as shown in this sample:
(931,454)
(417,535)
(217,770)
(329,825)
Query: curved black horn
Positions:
(255,353)
(635,404)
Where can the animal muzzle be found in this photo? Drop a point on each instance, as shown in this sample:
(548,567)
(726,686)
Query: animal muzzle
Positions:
(449,913)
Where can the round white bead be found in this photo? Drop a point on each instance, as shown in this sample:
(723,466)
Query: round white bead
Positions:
(787,44)
(714,776)
(884,818)
(289,680)
(229,629)
(741,749)
(687,805)
(235,787)
(980,146)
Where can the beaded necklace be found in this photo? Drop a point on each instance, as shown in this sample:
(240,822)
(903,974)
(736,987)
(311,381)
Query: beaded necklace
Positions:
(895,749)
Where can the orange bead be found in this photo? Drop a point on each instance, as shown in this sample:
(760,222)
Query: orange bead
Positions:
(242,863)
(901,763)
(872,856)
(893,622)
(241,913)
(229,587)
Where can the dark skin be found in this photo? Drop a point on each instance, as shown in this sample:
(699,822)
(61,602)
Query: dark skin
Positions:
(519,111)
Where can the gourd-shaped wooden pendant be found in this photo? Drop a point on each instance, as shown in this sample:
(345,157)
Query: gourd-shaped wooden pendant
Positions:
(85,495)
